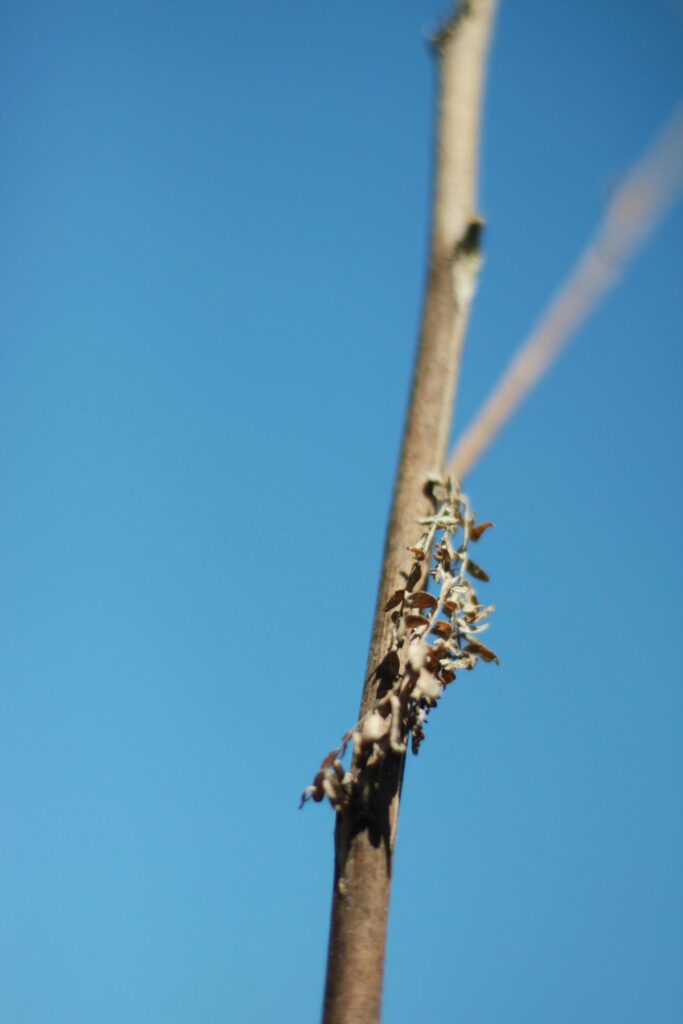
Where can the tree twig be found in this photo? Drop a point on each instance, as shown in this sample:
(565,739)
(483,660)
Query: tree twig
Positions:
(366,831)
(636,208)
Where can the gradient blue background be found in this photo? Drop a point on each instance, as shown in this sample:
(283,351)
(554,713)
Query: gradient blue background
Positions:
(213,234)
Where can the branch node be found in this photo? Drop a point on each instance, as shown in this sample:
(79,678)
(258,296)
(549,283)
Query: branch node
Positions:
(467,262)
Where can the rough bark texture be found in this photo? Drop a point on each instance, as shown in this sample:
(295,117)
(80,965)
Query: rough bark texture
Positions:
(365,833)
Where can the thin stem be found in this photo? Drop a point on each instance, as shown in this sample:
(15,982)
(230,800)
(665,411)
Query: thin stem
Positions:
(366,830)
(638,205)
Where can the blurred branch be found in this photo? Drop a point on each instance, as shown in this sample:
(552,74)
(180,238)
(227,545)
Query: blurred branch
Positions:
(366,830)
(641,201)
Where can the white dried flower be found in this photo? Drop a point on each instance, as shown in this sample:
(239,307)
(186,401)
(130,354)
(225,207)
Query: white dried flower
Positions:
(427,687)
(375,727)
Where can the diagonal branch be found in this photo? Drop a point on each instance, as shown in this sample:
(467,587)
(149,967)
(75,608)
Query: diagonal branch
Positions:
(641,201)
(365,831)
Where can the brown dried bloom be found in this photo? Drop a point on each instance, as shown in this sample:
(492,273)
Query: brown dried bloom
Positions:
(434,635)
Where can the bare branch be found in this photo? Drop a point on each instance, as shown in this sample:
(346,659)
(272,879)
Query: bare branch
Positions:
(639,204)
(366,830)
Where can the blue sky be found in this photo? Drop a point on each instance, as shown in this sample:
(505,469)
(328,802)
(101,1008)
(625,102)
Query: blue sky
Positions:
(214,225)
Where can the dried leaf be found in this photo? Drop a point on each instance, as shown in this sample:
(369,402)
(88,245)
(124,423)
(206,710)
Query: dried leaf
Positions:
(332,789)
(395,599)
(434,654)
(443,555)
(422,599)
(316,790)
(482,651)
(442,628)
(346,739)
(413,577)
(389,666)
(477,531)
(418,553)
(414,621)
(476,570)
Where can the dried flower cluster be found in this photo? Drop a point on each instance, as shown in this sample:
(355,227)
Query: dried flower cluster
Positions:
(434,635)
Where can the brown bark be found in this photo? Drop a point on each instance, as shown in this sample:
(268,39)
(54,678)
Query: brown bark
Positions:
(366,831)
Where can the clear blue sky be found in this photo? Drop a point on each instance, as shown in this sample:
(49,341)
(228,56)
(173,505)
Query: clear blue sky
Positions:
(212,244)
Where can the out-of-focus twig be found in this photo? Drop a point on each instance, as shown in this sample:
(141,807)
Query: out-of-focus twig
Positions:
(640,202)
